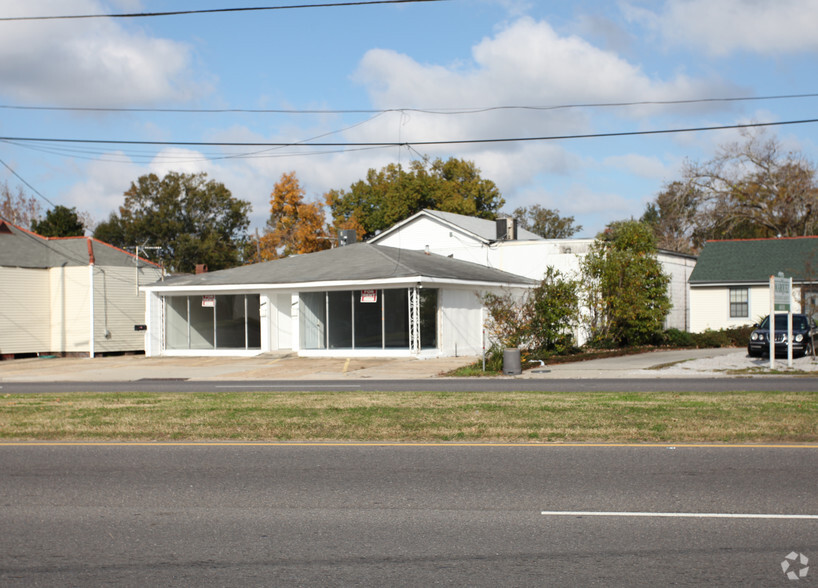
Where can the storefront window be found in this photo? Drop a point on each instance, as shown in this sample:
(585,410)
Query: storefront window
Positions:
(365,319)
(230,321)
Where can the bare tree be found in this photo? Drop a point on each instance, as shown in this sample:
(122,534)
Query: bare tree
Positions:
(753,189)
(18,208)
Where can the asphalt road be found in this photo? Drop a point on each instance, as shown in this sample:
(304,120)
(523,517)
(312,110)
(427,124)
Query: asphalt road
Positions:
(686,384)
(365,515)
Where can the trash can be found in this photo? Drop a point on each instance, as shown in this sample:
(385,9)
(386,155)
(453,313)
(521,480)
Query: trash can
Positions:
(511,362)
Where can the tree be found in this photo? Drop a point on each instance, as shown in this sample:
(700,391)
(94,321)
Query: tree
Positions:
(60,221)
(18,208)
(393,194)
(194,220)
(542,320)
(294,226)
(750,189)
(546,222)
(625,288)
(674,218)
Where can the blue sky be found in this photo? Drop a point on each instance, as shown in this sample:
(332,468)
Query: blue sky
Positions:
(442,56)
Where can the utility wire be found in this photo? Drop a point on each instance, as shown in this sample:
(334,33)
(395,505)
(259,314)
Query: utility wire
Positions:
(213,10)
(409,143)
(445,111)
(32,188)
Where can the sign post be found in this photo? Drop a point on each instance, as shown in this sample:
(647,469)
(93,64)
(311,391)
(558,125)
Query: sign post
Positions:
(781,299)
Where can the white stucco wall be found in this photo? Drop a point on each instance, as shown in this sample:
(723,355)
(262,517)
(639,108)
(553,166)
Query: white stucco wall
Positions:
(532,258)
(460,322)
(679,268)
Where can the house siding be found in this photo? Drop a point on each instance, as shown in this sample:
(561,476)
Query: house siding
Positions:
(24,315)
(118,307)
(711,306)
(70,309)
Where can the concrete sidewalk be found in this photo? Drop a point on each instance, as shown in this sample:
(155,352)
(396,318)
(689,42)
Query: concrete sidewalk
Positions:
(129,368)
(657,364)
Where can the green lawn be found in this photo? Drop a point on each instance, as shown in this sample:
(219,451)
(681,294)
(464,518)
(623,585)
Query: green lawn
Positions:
(414,416)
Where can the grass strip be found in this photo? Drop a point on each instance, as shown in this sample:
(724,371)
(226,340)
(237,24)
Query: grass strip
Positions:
(413,416)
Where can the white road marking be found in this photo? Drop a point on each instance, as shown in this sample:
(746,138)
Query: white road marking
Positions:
(676,515)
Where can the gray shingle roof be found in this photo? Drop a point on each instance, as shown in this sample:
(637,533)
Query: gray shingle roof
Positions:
(21,248)
(357,262)
(755,260)
(483,229)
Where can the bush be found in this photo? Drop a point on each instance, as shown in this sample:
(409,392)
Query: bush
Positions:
(677,338)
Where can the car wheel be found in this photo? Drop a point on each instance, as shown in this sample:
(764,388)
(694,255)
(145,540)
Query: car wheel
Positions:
(807,349)
(752,353)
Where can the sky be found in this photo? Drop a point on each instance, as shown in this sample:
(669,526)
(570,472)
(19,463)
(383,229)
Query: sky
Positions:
(418,79)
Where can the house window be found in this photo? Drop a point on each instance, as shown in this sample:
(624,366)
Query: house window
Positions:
(739,305)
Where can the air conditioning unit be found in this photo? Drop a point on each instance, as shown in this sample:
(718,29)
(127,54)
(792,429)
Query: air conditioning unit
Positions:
(506,229)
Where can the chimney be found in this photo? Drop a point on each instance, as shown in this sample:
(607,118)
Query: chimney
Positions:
(506,229)
(346,237)
(201,268)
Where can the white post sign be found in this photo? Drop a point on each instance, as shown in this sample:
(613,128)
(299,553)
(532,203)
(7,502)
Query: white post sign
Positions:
(780,299)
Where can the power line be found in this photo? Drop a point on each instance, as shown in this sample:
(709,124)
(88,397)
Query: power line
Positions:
(410,143)
(213,10)
(444,111)
(32,188)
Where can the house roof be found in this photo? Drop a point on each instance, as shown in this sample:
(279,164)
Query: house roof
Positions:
(755,260)
(356,262)
(22,248)
(483,229)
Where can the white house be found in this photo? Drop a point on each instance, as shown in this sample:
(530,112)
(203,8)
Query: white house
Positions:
(357,300)
(69,295)
(501,245)
(730,285)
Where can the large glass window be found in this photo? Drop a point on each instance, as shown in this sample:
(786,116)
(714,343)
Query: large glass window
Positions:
(340,328)
(369,319)
(396,318)
(428,319)
(313,320)
(230,321)
(739,305)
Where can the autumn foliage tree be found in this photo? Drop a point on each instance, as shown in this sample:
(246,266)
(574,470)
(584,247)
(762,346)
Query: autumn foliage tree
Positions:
(294,226)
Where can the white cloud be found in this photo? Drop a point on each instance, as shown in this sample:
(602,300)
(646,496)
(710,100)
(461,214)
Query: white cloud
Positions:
(66,62)
(725,26)
(526,64)
(641,165)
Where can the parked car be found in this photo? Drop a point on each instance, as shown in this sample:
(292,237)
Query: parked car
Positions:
(803,331)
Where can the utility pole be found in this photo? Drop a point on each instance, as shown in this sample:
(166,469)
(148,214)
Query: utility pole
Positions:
(136,263)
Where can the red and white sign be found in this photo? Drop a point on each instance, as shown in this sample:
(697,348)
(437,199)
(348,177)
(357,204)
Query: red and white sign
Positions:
(369,295)
(208,301)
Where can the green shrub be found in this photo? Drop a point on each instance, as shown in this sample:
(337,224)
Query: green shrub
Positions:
(677,338)
(711,338)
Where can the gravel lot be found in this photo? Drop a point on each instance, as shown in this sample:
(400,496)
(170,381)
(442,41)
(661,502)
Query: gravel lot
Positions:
(739,360)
